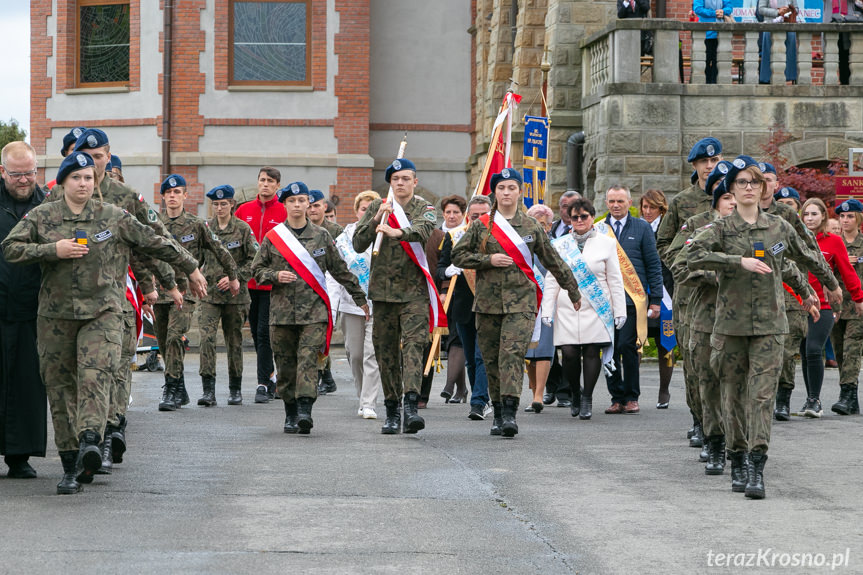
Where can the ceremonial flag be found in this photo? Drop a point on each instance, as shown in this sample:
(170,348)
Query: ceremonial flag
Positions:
(667,336)
(501,141)
(535,159)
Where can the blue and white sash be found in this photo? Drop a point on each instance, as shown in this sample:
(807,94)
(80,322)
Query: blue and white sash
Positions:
(589,287)
(358,264)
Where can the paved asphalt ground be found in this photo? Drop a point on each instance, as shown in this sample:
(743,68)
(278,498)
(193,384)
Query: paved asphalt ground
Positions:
(223,490)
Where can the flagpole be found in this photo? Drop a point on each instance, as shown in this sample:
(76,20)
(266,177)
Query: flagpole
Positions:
(390,195)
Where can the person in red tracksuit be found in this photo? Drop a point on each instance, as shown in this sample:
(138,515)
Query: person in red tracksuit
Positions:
(812,348)
(263,214)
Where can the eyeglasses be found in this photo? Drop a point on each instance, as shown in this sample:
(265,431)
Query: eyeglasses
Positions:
(741,183)
(19,175)
(581,217)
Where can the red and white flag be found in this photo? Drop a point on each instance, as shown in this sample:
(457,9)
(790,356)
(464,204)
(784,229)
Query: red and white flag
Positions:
(136,298)
(498,154)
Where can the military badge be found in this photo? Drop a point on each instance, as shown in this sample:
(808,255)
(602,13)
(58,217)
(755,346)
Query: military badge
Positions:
(758,250)
(232,245)
(397,165)
(777,248)
(102,236)
(187,238)
(319,252)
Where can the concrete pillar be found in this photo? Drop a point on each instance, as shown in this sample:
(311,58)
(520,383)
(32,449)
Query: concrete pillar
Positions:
(666,57)
(626,55)
(831,59)
(699,55)
(750,58)
(777,57)
(855,59)
(804,58)
(723,58)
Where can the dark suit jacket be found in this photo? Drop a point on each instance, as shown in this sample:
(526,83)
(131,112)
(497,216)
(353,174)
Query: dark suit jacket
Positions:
(638,242)
(461,305)
(555,226)
(642,7)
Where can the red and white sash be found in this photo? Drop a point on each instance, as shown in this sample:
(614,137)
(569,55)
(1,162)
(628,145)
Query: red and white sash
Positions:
(136,298)
(515,248)
(299,258)
(437,316)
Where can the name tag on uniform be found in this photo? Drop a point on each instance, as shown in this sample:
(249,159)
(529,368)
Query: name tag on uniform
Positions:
(319,252)
(232,245)
(102,236)
(758,250)
(188,238)
(777,248)
(527,239)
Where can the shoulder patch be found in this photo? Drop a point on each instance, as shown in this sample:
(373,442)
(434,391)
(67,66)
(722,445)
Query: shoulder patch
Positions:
(187,238)
(430,215)
(232,245)
(102,236)
(319,252)
(140,197)
(152,216)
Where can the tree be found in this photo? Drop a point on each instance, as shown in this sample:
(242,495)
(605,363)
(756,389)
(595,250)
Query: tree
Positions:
(11,132)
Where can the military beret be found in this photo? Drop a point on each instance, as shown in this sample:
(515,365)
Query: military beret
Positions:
(718,173)
(398,166)
(91,139)
(71,138)
(740,163)
(172,181)
(851,205)
(789,192)
(72,163)
(315,196)
(504,175)
(705,148)
(224,192)
(116,163)
(766,168)
(293,189)
(720,190)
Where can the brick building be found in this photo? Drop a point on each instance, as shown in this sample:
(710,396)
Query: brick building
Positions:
(321,89)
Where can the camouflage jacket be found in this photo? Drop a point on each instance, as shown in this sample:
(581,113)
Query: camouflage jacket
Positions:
(508,290)
(394,276)
(693,200)
(238,239)
(855,254)
(332,227)
(749,303)
(194,235)
(296,303)
(84,288)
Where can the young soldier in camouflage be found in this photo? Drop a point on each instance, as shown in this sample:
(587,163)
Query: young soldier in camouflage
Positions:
(83,245)
(171,324)
(220,304)
(299,305)
(506,301)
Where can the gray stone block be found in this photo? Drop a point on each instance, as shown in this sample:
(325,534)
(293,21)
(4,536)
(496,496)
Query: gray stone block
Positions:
(664,183)
(661,142)
(672,166)
(644,165)
(826,114)
(703,112)
(650,111)
(624,142)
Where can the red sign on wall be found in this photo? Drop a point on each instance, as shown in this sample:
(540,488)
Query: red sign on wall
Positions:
(848,187)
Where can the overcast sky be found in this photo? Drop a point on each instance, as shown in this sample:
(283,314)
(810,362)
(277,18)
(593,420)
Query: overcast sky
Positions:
(15,68)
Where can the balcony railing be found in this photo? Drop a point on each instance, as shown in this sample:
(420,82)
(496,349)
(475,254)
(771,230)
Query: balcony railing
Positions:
(613,56)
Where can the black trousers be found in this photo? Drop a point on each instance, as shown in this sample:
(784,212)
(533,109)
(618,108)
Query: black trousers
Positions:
(23,403)
(624,383)
(259,325)
(711,71)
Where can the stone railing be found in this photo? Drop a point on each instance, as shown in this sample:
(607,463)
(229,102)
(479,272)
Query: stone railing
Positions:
(613,56)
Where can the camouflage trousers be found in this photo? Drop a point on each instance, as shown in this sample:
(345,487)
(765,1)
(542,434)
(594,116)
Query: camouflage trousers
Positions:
(798,325)
(748,368)
(232,316)
(171,325)
(847,337)
(503,340)
(122,388)
(296,348)
(708,384)
(402,325)
(78,360)
(690,373)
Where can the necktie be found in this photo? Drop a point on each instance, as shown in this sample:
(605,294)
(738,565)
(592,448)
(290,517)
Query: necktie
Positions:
(617,229)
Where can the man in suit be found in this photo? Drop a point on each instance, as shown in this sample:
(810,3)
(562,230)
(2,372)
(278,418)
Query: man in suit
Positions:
(561,225)
(636,237)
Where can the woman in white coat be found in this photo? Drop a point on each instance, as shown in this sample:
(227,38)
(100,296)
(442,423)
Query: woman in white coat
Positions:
(583,334)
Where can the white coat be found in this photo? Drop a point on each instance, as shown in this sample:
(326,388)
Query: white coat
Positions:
(580,327)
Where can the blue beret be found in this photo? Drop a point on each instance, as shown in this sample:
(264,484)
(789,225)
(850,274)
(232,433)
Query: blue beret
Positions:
(293,189)
(504,175)
(224,192)
(399,165)
(766,168)
(789,192)
(740,163)
(315,196)
(172,181)
(694,177)
(705,148)
(71,138)
(851,205)
(720,190)
(72,163)
(718,173)
(91,139)
(116,163)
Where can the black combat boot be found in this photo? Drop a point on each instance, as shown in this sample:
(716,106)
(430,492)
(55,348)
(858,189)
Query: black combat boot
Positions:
(68,484)
(497,422)
(738,471)
(412,422)
(118,440)
(107,452)
(847,394)
(509,428)
(291,425)
(169,391)
(209,397)
(327,381)
(89,456)
(304,414)
(235,393)
(393,423)
(181,397)
(272,392)
(697,439)
(586,411)
(755,483)
(855,404)
(783,404)
(716,455)
(691,431)
(322,387)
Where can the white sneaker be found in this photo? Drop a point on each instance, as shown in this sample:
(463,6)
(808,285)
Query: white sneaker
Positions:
(369,413)
(487,410)
(360,412)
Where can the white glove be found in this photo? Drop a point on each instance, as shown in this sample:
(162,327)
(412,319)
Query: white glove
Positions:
(451,270)
(546,321)
(619,321)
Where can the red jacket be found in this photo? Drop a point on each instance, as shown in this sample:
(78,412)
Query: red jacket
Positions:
(262,217)
(836,255)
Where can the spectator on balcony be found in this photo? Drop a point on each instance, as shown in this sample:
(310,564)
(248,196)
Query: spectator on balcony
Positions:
(637,9)
(711,11)
(778,11)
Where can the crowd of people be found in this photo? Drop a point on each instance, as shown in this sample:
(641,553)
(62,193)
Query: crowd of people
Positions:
(734,268)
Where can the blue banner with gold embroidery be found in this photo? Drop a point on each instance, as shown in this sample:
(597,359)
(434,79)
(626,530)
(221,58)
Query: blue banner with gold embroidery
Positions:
(535,159)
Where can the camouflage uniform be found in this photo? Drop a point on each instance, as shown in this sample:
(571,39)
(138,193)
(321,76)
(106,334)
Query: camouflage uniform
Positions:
(221,305)
(505,302)
(847,334)
(298,315)
(80,305)
(750,324)
(399,293)
(195,236)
